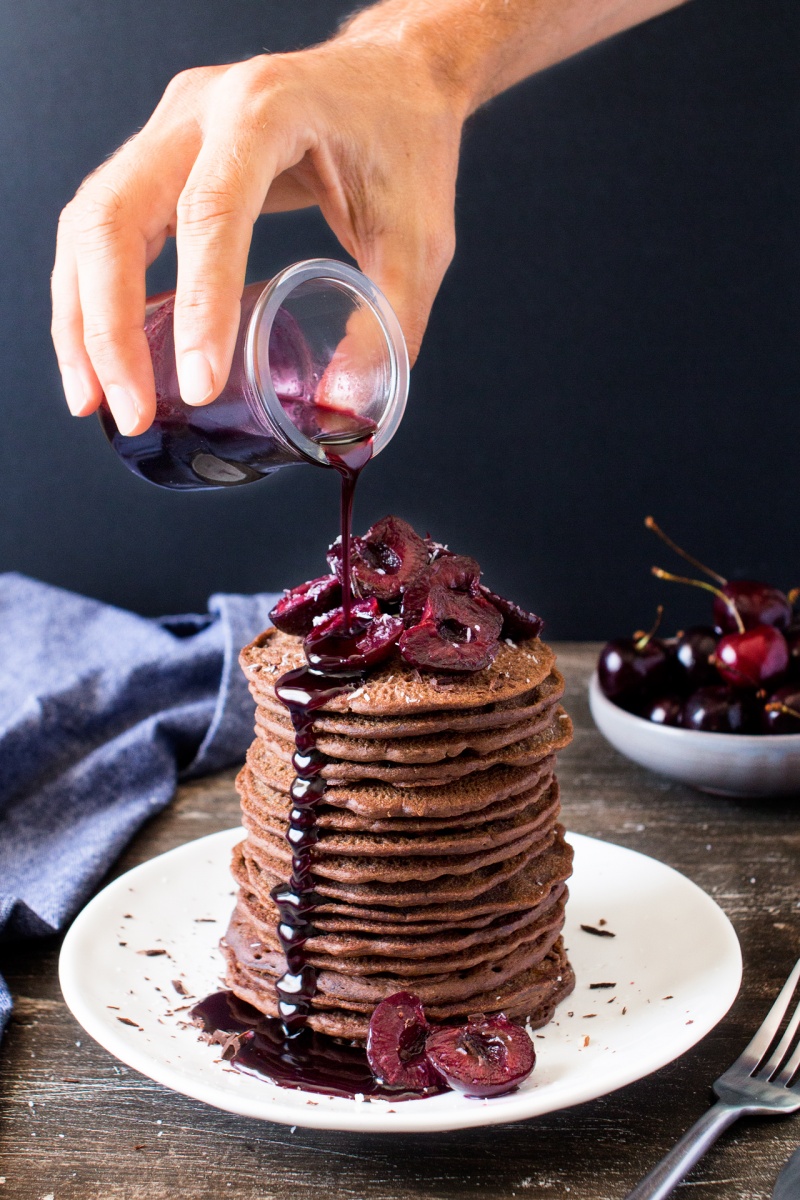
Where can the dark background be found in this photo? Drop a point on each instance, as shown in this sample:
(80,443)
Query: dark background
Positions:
(618,334)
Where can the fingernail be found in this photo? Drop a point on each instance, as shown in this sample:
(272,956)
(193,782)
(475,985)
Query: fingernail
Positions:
(73,390)
(123,406)
(196,379)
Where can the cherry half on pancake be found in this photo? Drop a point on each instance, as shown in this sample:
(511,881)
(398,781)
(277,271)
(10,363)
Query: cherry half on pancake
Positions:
(385,560)
(331,646)
(297,609)
(457,632)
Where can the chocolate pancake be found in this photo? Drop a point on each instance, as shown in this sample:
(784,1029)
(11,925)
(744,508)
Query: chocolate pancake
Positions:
(523,753)
(541,811)
(490,716)
(520,885)
(394,689)
(377,799)
(433,861)
(532,996)
(432,748)
(275,853)
(269,803)
(264,953)
(411,944)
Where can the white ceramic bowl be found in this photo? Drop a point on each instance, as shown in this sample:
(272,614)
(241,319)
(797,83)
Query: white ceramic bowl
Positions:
(728,764)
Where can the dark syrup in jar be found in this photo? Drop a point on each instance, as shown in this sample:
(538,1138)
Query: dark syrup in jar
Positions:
(284,1050)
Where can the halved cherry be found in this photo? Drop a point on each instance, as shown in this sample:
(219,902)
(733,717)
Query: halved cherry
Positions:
(457,572)
(297,609)
(385,561)
(487,1057)
(396,1044)
(369,639)
(518,624)
(458,632)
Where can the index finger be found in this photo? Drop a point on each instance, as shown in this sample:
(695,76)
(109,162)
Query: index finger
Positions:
(110,253)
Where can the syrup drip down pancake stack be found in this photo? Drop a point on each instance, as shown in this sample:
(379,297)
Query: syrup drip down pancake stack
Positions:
(439,864)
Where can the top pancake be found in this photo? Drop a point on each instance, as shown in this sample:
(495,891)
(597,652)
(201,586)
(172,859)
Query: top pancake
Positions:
(412,725)
(394,689)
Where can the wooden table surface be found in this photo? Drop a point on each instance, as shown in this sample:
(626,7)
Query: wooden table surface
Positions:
(75,1124)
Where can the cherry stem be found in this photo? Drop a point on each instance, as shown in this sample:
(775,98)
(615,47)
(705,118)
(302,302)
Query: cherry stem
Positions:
(779,706)
(707,587)
(643,639)
(794,596)
(695,562)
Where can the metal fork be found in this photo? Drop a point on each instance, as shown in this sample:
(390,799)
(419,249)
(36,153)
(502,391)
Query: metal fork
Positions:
(754,1086)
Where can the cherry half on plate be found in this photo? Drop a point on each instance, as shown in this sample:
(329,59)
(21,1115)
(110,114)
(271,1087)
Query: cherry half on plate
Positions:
(396,1044)
(487,1057)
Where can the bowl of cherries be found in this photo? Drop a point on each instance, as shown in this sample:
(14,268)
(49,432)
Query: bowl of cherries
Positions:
(718,705)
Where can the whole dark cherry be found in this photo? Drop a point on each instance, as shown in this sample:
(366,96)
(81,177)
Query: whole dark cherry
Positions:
(756,658)
(487,1057)
(629,669)
(738,602)
(396,1044)
(792,636)
(756,603)
(666,710)
(719,709)
(694,651)
(781,713)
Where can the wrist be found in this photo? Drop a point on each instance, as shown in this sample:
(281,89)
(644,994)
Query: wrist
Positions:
(425,39)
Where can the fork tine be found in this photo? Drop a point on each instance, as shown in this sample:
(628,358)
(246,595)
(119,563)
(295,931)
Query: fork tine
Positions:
(783,1047)
(791,1068)
(753,1053)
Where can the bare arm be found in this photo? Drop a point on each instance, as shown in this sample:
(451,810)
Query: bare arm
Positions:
(367,126)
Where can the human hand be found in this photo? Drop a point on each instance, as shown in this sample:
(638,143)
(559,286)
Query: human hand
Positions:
(367,132)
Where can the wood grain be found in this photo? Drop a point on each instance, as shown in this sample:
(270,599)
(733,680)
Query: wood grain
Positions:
(77,1125)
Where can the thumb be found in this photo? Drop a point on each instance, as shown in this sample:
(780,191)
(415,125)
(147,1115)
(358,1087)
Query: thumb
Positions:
(408,264)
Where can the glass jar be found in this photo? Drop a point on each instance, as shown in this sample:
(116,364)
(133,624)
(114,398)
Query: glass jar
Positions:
(320,360)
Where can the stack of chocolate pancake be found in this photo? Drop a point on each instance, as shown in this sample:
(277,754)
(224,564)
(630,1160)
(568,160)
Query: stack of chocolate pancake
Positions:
(440,866)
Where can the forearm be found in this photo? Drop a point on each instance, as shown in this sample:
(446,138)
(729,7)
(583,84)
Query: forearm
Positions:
(479,48)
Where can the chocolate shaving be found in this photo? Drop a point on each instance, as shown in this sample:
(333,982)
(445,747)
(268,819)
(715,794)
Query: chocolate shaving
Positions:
(231,1043)
(151,953)
(128,1021)
(597,932)
(592,986)
(179,987)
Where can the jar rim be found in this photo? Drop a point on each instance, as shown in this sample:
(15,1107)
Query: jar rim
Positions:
(261,320)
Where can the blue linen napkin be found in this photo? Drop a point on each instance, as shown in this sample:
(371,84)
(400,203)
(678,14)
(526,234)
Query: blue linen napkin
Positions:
(101,712)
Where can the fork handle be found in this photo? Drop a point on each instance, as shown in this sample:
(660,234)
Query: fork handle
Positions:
(683,1156)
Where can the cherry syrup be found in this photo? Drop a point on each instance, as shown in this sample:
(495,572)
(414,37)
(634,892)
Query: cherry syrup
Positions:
(257,1045)
(284,1049)
(303,691)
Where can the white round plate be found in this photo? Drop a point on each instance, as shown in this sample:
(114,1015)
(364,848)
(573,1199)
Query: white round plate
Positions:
(674,962)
